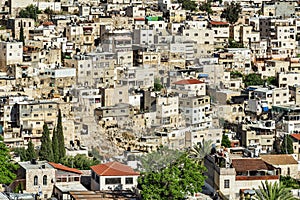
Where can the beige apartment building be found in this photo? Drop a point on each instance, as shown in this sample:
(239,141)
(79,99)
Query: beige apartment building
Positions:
(93,69)
(167,111)
(233,177)
(221,32)
(288,79)
(12,53)
(15,25)
(231,112)
(31,117)
(273,67)
(196,112)
(259,136)
(113,96)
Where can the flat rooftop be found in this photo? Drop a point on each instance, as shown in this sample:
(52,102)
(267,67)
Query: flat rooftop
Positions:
(39,165)
(72,186)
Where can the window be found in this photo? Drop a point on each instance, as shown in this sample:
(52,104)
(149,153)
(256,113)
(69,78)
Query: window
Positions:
(128,180)
(44,180)
(35,180)
(226,183)
(111,181)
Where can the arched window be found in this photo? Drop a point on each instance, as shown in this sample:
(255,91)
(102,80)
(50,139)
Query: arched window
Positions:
(35,180)
(240,109)
(234,109)
(288,171)
(44,180)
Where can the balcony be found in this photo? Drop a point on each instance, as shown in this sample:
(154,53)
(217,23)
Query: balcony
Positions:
(88,42)
(252,178)
(87,30)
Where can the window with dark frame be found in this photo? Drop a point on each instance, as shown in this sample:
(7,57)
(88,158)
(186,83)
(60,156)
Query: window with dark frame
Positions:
(129,180)
(112,181)
(226,183)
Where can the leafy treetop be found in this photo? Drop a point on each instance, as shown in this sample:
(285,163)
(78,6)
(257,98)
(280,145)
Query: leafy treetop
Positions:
(7,167)
(225,141)
(188,4)
(253,79)
(181,178)
(231,12)
(30,11)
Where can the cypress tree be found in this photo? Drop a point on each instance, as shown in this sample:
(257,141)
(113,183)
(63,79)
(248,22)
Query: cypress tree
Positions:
(46,152)
(60,136)
(55,146)
(30,152)
(22,38)
(287,145)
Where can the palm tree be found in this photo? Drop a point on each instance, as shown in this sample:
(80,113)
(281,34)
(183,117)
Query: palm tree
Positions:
(269,191)
(199,151)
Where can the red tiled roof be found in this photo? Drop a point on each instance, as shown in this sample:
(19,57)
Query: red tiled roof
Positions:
(296,136)
(139,19)
(47,23)
(114,169)
(64,168)
(249,164)
(218,23)
(187,82)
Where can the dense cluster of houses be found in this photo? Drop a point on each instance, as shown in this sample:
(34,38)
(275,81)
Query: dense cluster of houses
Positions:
(134,75)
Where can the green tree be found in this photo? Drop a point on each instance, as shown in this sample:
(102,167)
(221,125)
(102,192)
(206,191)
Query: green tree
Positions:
(179,179)
(22,38)
(272,80)
(253,79)
(206,7)
(199,151)
(30,11)
(60,136)
(46,152)
(236,74)
(21,151)
(225,141)
(287,145)
(7,167)
(269,191)
(30,152)
(157,85)
(156,160)
(55,146)
(80,161)
(289,182)
(188,5)
(231,12)
(48,11)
